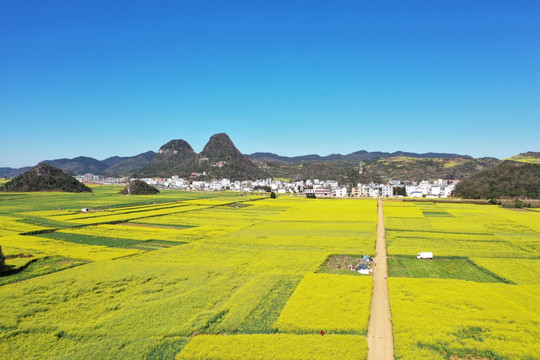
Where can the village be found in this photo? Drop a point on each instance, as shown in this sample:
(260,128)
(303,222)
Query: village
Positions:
(311,188)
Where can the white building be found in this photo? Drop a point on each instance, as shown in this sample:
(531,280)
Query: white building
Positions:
(309,192)
(374,192)
(387,191)
(322,192)
(339,192)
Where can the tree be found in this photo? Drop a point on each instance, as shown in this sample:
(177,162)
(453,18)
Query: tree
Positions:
(272,195)
(2,259)
(400,190)
(263,188)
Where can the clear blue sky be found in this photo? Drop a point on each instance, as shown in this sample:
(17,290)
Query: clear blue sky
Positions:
(104,78)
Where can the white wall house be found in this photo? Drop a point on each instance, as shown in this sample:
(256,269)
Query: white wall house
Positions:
(309,191)
(387,191)
(374,192)
(339,192)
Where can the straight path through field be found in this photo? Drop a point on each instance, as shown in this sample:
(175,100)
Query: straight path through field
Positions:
(380,339)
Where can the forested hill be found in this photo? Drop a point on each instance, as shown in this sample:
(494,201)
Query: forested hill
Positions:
(397,167)
(45,177)
(506,180)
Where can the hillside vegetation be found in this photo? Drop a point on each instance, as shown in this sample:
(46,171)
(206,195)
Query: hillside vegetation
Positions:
(219,159)
(528,157)
(139,187)
(44,177)
(507,180)
(398,167)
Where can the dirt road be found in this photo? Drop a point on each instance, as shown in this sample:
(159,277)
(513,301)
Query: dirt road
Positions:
(380,340)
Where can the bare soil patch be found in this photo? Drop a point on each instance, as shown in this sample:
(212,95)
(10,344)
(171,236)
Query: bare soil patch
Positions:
(468,357)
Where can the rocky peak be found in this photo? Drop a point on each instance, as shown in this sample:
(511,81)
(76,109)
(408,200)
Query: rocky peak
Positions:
(44,169)
(175,147)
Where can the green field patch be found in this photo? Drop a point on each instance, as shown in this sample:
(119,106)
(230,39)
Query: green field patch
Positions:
(27,267)
(440,268)
(91,240)
(436,213)
(161,226)
(263,317)
(148,245)
(151,245)
(45,222)
(453,352)
(165,243)
(167,350)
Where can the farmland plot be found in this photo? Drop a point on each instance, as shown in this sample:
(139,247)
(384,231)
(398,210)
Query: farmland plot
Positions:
(224,266)
(473,316)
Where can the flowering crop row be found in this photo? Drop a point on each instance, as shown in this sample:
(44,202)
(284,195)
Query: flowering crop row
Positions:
(275,347)
(331,303)
(66,249)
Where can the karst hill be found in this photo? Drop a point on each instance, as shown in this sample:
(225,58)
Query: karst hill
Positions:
(219,159)
(45,177)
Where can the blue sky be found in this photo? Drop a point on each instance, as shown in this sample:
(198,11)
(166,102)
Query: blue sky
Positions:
(104,78)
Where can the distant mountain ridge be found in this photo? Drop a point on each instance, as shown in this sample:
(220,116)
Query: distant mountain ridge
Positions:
(221,159)
(112,166)
(358,155)
(7,172)
(121,166)
(79,165)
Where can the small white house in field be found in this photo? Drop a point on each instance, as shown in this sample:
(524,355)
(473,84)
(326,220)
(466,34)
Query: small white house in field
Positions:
(425,255)
(85,210)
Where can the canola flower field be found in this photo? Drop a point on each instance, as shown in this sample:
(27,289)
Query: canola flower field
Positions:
(186,275)
(479,297)
(182,275)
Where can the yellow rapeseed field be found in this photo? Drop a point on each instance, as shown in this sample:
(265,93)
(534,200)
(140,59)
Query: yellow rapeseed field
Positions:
(329,303)
(235,277)
(275,347)
(233,270)
(441,318)
(435,318)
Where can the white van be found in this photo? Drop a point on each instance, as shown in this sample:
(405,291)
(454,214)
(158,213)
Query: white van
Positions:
(425,255)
